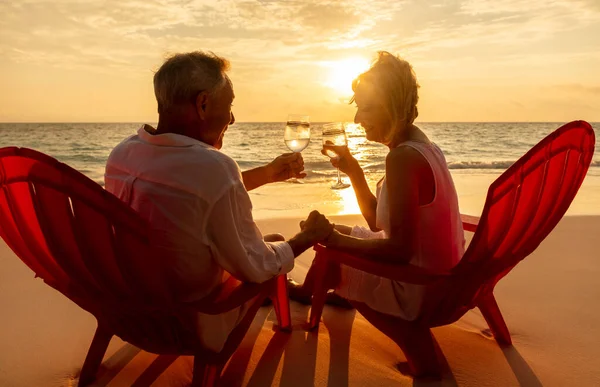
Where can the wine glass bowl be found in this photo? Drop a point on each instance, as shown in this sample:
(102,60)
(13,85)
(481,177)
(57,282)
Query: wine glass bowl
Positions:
(335,134)
(297,134)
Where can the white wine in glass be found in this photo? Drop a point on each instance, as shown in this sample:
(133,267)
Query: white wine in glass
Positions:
(335,134)
(297,134)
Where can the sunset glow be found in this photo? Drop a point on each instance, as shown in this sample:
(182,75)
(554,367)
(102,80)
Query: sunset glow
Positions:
(476,60)
(343,72)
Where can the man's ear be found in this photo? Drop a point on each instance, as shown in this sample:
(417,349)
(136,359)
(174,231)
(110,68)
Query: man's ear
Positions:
(201,104)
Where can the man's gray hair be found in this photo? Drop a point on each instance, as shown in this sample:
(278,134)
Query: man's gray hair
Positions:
(182,76)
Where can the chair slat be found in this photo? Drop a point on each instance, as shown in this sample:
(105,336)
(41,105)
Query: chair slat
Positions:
(568,183)
(494,227)
(27,225)
(9,231)
(95,240)
(531,190)
(548,201)
(56,220)
(142,266)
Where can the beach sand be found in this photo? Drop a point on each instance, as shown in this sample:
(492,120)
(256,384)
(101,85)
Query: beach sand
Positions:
(472,186)
(549,302)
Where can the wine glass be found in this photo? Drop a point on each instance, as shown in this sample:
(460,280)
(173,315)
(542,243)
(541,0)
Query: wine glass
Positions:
(297,134)
(334,134)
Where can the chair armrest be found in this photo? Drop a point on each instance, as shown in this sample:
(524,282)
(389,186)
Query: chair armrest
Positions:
(230,295)
(469,222)
(397,272)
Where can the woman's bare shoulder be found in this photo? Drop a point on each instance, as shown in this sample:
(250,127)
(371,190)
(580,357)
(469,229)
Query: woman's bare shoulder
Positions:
(404,154)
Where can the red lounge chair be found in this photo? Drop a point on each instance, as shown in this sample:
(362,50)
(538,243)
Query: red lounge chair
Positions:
(523,205)
(94,249)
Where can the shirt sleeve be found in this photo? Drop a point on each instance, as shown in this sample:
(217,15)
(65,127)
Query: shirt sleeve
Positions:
(365,233)
(237,243)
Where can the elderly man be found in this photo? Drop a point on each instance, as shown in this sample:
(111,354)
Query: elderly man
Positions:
(196,197)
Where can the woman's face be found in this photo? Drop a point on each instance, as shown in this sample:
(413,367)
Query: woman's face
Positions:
(371,113)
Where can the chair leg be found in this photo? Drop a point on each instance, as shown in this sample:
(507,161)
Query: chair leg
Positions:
(319,293)
(94,356)
(325,275)
(316,309)
(205,375)
(281,303)
(491,312)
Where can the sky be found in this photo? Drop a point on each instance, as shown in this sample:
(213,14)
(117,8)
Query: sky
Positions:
(476,60)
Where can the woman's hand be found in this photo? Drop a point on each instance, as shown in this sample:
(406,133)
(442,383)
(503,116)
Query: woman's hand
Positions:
(344,160)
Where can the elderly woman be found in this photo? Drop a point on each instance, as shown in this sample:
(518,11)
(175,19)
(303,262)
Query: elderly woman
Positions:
(414,216)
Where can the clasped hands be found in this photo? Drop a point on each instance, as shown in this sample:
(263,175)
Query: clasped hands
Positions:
(317,227)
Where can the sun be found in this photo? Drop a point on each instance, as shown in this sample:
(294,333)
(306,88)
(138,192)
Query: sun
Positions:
(343,72)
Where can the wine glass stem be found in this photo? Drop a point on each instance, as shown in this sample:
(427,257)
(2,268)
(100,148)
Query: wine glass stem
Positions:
(339,177)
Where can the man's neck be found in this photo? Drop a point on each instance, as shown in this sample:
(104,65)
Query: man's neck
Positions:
(166,127)
(181,128)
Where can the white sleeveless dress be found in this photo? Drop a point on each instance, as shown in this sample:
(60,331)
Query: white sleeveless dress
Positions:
(440,245)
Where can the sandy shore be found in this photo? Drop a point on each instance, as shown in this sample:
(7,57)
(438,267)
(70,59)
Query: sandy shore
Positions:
(549,302)
(273,201)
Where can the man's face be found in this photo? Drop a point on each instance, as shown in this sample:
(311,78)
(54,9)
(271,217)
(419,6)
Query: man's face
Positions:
(219,115)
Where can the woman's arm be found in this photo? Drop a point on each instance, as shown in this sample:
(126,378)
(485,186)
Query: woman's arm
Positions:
(343,229)
(349,165)
(404,166)
(365,198)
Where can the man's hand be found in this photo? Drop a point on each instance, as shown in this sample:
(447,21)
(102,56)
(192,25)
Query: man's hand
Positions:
(285,167)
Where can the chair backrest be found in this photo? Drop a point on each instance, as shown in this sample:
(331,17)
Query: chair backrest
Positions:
(522,207)
(84,242)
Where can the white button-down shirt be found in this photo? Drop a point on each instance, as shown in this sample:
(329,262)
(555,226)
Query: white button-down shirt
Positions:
(194,196)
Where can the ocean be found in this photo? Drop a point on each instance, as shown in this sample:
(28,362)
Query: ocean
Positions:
(475,152)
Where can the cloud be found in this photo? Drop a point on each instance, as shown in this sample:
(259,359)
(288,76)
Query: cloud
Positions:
(575,88)
(118,30)
(504,23)
(274,44)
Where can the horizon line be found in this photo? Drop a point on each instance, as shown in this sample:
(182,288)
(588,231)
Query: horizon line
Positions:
(279,122)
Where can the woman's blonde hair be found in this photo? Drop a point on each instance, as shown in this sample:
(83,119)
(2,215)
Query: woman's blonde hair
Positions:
(395,78)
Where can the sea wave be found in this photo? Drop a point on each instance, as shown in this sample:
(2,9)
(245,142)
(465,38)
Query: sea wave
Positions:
(317,167)
(472,164)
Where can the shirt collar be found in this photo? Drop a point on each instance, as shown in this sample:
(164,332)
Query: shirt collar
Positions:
(169,139)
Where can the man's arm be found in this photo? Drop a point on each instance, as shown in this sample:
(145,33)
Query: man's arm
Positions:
(238,246)
(254,178)
(282,168)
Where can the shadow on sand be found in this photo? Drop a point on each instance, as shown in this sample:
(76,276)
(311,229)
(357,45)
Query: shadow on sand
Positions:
(114,364)
(299,351)
(521,369)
